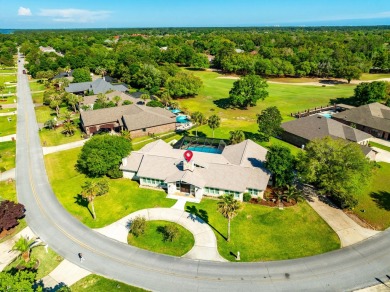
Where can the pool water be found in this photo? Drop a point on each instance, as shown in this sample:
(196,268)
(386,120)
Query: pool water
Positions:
(205,149)
(182,119)
(176,111)
(328,116)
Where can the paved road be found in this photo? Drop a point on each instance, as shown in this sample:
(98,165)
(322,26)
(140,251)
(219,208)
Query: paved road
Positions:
(353,267)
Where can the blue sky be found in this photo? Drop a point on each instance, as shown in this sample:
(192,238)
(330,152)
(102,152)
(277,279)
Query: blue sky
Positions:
(33,14)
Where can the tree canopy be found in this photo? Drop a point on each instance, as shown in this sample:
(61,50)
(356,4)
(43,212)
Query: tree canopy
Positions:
(369,92)
(247,91)
(269,121)
(183,84)
(336,167)
(81,75)
(102,153)
(280,162)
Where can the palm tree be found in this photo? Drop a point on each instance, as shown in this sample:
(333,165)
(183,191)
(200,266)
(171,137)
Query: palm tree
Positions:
(144,97)
(101,71)
(92,189)
(67,116)
(214,122)
(55,104)
(199,119)
(24,245)
(117,99)
(69,128)
(165,98)
(73,100)
(228,207)
(126,134)
(293,193)
(236,136)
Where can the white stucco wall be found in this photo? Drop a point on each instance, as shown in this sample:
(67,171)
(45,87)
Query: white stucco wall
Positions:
(129,174)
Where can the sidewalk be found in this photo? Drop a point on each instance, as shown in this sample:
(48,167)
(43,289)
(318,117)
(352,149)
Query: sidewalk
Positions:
(7,255)
(382,155)
(348,230)
(205,247)
(52,149)
(381,141)
(6,175)
(8,138)
(8,114)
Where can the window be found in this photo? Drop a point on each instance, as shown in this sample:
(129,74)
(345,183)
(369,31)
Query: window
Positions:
(254,192)
(236,194)
(211,191)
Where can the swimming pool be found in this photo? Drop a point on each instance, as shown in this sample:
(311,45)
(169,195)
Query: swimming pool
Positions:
(206,149)
(182,119)
(327,114)
(175,111)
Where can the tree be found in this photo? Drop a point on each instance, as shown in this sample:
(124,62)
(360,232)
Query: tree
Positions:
(68,128)
(293,193)
(350,72)
(73,100)
(126,134)
(137,226)
(247,91)
(165,98)
(102,153)
(24,245)
(92,189)
(336,167)
(117,99)
(10,213)
(214,122)
(280,162)
(148,77)
(67,116)
(269,121)
(55,102)
(183,84)
(236,137)
(228,207)
(155,103)
(81,75)
(369,92)
(199,119)
(50,124)
(199,61)
(19,281)
(144,97)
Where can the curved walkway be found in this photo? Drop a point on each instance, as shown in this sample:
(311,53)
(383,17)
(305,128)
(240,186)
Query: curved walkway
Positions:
(205,247)
(356,266)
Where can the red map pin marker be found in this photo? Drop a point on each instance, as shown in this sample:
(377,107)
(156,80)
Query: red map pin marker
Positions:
(188,155)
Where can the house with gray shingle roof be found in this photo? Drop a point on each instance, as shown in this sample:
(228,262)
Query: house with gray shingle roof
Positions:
(138,120)
(373,118)
(100,85)
(301,131)
(237,170)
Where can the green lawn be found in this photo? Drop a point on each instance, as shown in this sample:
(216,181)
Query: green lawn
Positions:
(380,146)
(37,97)
(45,113)
(35,86)
(2,71)
(138,143)
(7,127)
(8,78)
(375,201)
(8,192)
(7,99)
(95,283)
(7,110)
(367,76)
(288,98)
(47,261)
(55,137)
(153,239)
(7,155)
(262,233)
(124,197)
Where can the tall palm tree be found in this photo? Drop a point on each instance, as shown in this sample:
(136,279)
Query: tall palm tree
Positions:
(236,136)
(293,193)
(214,122)
(117,99)
(228,207)
(165,98)
(199,119)
(92,189)
(67,116)
(24,245)
(69,128)
(126,134)
(73,100)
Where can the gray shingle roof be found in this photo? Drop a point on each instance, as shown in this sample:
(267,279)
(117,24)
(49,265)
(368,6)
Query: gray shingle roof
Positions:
(91,99)
(373,115)
(97,86)
(134,116)
(227,171)
(317,126)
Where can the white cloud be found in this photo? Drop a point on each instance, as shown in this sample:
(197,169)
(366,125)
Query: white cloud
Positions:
(22,11)
(74,15)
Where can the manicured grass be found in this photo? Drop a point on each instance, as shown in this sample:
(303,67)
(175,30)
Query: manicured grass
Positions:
(375,201)
(7,99)
(35,86)
(367,76)
(2,71)
(124,197)
(262,233)
(37,97)
(153,239)
(288,98)
(380,146)
(138,143)
(47,261)
(7,110)
(10,89)
(7,78)
(55,137)
(293,80)
(95,283)
(45,113)
(8,192)
(7,127)
(7,155)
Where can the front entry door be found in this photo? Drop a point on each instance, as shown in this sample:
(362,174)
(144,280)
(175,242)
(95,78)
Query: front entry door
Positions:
(185,188)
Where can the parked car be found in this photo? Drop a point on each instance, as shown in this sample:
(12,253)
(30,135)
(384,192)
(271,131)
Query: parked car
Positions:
(24,71)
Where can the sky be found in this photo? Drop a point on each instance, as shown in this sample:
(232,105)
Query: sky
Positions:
(35,14)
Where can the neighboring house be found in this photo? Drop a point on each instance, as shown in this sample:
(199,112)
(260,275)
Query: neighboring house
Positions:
(237,170)
(301,131)
(239,51)
(67,75)
(100,85)
(47,49)
(138,120)
(373,118)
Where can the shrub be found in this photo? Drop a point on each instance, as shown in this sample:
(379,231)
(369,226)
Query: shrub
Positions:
(170,232)
(138,225)
(155,103)
(10,213)
(247,197)
(115,173)
(127,102)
